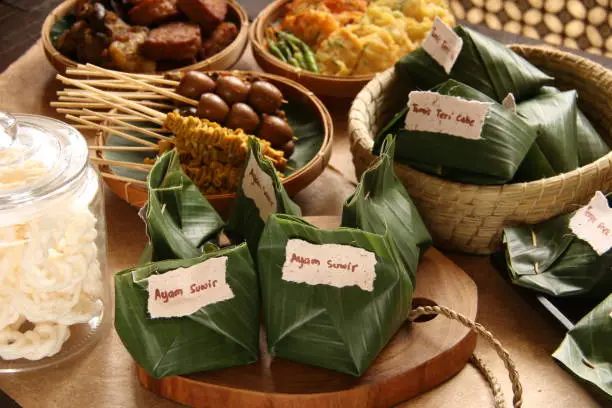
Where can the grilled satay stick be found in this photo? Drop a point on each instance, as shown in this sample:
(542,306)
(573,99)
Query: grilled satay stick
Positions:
(128,165)
(152,113)
(145,85)
(125,148)
(71,92)
(84,70)
(111,130)
(128,125)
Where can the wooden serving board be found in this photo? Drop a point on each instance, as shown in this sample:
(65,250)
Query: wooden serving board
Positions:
(418,358)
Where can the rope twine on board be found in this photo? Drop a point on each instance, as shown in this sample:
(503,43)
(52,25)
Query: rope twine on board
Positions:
(498,395)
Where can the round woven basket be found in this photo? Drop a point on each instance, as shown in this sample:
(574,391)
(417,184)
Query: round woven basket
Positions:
(322,85)
(470,218)
(223,60)
(137,195)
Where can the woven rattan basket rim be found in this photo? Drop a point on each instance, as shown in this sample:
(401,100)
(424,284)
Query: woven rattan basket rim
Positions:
(298,179)
(223,60)
(363,136)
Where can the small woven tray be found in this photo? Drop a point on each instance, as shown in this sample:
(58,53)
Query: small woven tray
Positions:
(470,218)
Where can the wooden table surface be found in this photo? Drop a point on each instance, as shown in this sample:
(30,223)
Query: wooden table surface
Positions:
(106,376)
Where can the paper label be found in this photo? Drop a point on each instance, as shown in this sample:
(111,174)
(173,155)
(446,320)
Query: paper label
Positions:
(329,264)
(433,112)
(509,102)
(258,186)
(443,44)
(184,291)
(593,224)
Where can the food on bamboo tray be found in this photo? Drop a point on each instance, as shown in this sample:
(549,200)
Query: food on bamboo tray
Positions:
(570,256)
(352,37)
(144,36)
(207,117)
(488,117)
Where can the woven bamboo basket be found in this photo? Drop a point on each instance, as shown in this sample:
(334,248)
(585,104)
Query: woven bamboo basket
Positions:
(223,60)
(136,194)
(470,218)
(322,85)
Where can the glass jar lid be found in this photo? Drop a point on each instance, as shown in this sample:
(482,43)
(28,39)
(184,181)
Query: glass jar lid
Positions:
(40,159)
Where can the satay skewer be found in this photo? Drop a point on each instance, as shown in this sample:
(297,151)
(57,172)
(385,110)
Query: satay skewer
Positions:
(128,125)
(128,165)
(111,130)
(84,70)
(145,85)
(125,148)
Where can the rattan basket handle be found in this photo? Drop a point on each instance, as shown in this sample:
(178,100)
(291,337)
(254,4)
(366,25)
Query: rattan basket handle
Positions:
(517,389)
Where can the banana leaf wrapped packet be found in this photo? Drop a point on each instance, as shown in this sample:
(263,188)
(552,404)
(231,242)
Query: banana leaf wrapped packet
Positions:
(334,298)
(585,350)
(483,64)
(591,145)
(178,217)
(199,308)
(381,203)
(505,139)
(551,259)
(220,334)
(330,298)
(260,193)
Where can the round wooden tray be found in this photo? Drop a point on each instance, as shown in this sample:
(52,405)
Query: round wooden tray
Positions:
(136,194)
(322,85)
(418,358)
(223,60)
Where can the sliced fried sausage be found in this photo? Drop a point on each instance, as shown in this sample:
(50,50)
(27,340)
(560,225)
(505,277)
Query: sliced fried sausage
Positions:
(207,13)
(149,12)
(172,41)
(223,36)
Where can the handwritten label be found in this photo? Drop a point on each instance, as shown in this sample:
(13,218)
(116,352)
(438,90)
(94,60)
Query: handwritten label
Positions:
(593,223)
(258,186)
(184,291)
(432,112)
(443,45)
(509,102)
(329,264)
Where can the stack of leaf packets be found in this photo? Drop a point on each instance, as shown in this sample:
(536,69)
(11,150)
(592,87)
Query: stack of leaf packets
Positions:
(545,134)
(334,298)
(196,307)
(570,256)
(259,194)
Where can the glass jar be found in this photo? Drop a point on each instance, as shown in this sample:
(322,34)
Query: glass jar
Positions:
(54,292)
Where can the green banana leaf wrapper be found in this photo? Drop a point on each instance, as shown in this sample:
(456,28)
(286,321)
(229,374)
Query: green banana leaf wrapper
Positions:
(560,263)
(219,335)
(493,159)
(591,146)
(555,151)
(483,63)
(247,220)
(381,204)
(586,352)
(178,217)
(339,328)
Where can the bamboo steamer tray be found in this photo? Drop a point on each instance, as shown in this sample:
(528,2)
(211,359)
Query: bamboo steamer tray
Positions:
(418,358)
(223,60)
(471,218)
(136,194)
(322,85)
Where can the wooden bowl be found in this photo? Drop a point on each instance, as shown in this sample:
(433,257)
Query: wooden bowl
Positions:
(322,85)
(223,60)
(136,194)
